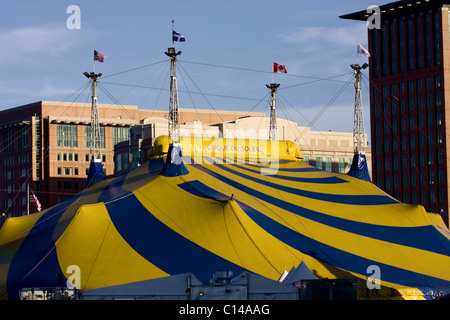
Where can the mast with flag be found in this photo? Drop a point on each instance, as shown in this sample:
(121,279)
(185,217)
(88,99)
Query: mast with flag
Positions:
(174,115)
(359,167)
(95,173)
(273,129)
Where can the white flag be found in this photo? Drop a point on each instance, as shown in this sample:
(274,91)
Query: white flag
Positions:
(361,50)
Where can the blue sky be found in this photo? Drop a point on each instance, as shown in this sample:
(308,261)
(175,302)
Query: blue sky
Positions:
(225,63)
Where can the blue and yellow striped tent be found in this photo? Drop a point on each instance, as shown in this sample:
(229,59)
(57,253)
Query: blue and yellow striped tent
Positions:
(237,205)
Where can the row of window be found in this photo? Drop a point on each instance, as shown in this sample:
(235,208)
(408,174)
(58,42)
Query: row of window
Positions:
(404,143)
(412,86)
(67,135)
(69,156)
(326,164)
(13,138)
(413,180)
(409,161)
(420,197)
(11,174)
(411,122)
(72,171)
(415,103)
(11,160)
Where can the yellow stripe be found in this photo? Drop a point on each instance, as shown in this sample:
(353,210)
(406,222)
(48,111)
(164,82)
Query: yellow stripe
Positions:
(92,243)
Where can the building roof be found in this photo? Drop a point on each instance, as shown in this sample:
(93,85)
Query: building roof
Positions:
(391,7)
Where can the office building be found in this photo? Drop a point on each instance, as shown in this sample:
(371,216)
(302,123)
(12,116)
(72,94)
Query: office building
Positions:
(409,44)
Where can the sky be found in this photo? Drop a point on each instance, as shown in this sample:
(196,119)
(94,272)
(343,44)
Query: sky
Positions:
(225,64)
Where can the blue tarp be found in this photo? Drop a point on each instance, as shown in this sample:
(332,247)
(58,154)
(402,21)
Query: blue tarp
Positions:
(359,167)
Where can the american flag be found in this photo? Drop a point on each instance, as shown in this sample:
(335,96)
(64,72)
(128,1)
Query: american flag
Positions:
(99,56)
(34,199)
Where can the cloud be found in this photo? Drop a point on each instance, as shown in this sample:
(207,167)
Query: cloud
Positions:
(311,37)
(326,50)
(29,44)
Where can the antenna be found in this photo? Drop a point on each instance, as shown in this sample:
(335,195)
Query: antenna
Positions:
(359,168)
(95,151)
(174,114)
(95,173)
(359,136)
(273,131)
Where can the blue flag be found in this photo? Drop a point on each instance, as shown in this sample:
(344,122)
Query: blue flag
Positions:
(177,37)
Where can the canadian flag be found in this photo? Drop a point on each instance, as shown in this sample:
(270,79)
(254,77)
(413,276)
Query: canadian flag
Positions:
(279,68)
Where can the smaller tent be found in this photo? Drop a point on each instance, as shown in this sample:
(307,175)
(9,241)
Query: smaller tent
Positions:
(165,288)
(302,272)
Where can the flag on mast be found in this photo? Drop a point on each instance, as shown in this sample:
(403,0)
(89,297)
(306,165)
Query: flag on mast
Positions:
(177,37)
(34,199)
(279,68)
(361,50)
(99,56)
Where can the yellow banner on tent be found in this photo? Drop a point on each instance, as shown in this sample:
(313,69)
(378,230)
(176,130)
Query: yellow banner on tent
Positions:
(225,149)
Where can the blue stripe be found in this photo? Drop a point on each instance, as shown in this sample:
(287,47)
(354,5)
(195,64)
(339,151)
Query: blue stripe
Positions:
(336,198)
(162,246)
(320,180)
(340,258)
(321,251)
(416,237)
(37,253)
(114,188)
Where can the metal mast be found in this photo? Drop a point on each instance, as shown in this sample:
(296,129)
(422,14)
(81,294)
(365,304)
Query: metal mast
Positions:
(95,151)
(273,130)
(359,136)
(174,114)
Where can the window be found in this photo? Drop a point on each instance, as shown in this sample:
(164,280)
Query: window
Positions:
(328,164)
(437,40)
(87,130)
(68,171)
(438,99)
(430,158)
(401,46)
(418,43)
(66,135)
(120,134)
(341,165)
(319,162)
(23,138)
(393,49)
(410,44)
(437,81)
(439,137)
(8,138)
(427,34)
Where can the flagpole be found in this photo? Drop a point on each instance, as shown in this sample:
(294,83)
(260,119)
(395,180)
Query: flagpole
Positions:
(28,199)
(173,29)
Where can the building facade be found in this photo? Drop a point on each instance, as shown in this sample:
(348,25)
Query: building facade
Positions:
(409,84)
(45,146)
(329,151)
